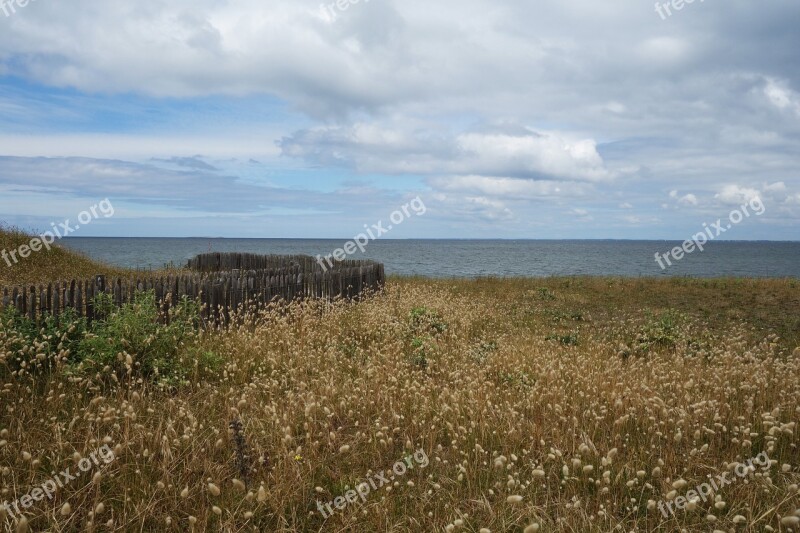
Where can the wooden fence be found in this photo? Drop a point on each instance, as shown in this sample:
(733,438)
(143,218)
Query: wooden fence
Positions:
(219,293)
(223,262)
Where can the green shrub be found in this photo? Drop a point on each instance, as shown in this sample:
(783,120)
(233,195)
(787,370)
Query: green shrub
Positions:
(566,340)
(546,294)
(516,379)
(660,332)
(419,354)
(425,320)
(424,327)
(26,347)
(134,341)
(481,352)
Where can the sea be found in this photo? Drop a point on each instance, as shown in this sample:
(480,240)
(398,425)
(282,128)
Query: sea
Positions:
(476,258)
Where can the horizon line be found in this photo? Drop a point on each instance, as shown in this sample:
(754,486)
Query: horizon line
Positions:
(530,239)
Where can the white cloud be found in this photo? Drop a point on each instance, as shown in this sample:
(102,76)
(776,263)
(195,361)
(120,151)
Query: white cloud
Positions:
(581,214)
(127,146)
(778,188)
(457,207)
(491,105)
(196,190)
(664,50)
(615,107)
(736,195)
(781,96)
(512,188)
(535,60)
(536,153)
(687,200)
(776,193)
(406,148)
(491,209)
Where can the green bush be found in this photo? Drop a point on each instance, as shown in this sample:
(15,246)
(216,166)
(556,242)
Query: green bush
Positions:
(660,332)
(28,348)
(481,352)
(419,354)
(424,327)
(134,341)
(546,294)
(566,340)
(516,379)
(425,320)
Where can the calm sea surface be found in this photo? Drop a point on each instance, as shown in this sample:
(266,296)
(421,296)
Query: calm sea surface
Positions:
(471,258)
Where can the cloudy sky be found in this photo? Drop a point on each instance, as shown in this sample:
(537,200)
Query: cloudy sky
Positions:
(509,119)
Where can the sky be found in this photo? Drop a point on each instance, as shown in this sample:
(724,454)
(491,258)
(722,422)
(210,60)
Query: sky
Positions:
(511,119)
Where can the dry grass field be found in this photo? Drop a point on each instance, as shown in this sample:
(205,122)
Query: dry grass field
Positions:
(566,404)
(44,265)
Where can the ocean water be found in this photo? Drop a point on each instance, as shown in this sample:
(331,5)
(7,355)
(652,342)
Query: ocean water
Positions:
(473,258)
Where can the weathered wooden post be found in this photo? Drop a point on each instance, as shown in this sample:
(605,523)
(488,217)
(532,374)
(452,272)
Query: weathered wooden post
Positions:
(99,288)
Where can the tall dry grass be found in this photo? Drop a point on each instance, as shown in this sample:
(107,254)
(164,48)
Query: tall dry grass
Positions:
(551,405)
(43,266)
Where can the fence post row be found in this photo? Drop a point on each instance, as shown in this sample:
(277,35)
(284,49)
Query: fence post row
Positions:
(221,283)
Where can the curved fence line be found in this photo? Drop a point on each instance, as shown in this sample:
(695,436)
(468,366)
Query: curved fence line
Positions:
(219,293)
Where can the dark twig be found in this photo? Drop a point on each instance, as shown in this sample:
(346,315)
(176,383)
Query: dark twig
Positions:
(242,455)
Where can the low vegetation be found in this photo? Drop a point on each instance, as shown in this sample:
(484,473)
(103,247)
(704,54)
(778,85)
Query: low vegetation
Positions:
(567,404)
